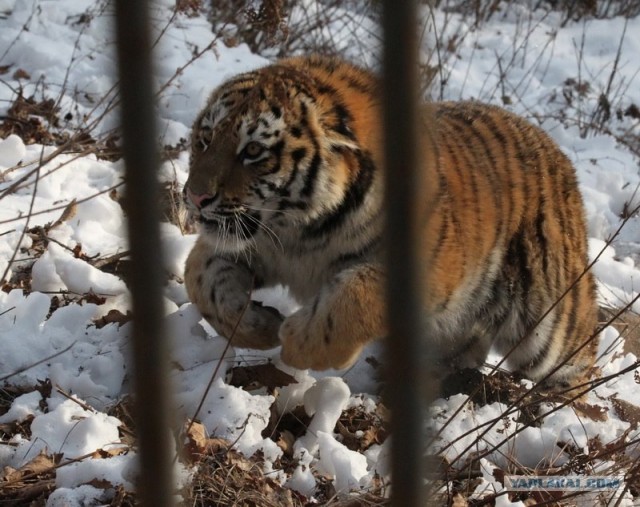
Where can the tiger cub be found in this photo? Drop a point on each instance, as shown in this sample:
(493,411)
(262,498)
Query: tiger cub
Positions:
(286,181)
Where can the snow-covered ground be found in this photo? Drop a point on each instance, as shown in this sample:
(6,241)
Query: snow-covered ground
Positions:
(64,50)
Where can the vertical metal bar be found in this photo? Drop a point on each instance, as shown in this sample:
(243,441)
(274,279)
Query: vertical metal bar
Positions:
(155,486)
(405,311)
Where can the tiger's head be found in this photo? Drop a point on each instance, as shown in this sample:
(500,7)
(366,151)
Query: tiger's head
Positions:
(277,147)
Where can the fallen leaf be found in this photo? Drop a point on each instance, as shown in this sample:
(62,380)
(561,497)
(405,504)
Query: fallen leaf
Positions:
(593,412)
(100,483)
(109,453)
(113,317)
(41,464)
(626,411)
(198,444)
(67,214)
(257,376)
(21,74)
(239,461)
(458,501)
(285,442)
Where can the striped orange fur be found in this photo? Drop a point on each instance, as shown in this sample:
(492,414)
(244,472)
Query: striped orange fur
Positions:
(286,181)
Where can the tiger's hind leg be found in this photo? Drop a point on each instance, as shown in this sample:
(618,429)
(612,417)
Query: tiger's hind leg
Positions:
(561,349)
(330,332)
(466,348)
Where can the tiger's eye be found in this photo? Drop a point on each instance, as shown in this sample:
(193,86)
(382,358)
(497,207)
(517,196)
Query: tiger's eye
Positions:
(253,149)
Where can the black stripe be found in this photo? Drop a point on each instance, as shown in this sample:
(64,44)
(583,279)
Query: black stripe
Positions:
(326,89)
(314,307)
(277,148)
(258,191)
(286,204)
(277,112)
(518,256)
(272,186)
(344,120)
(367,85)
(304,115)
(223,269)
(273,170)
(311,175)
(498,303)
(541,237)
(330,324)
(229,93)
(345,259)
(352,199)
(297,155)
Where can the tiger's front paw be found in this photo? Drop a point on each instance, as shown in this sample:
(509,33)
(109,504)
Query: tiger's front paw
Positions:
(314,343)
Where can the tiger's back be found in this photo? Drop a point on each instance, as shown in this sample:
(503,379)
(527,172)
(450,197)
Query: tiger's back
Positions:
(288,158)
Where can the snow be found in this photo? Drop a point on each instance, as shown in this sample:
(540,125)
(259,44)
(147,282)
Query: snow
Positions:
(12,151)
(519,58)
(324,400)
(345,466)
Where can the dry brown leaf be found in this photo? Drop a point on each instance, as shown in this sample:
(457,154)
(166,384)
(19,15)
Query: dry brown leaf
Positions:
(21,74)
(28,494)
(100,483)
(41,464)
(285,442)
(257,376)
(16,426)
(383,412)
(458,501)
(239,461)
(7,471)
(628,412)
(113,317)
(593,412)
(374,435)
(109,453)
(67,214)
(198,444)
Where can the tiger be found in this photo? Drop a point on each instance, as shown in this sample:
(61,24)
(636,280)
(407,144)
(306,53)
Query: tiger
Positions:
(286,181)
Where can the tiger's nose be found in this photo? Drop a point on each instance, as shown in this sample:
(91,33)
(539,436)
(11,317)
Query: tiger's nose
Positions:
(198,199)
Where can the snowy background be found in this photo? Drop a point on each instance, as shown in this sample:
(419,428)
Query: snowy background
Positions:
(64,351)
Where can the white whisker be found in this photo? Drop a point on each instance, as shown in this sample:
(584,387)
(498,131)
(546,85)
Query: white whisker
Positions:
(272,210)
(271,234)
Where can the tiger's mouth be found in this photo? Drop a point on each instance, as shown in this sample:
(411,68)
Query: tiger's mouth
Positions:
(238,224)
